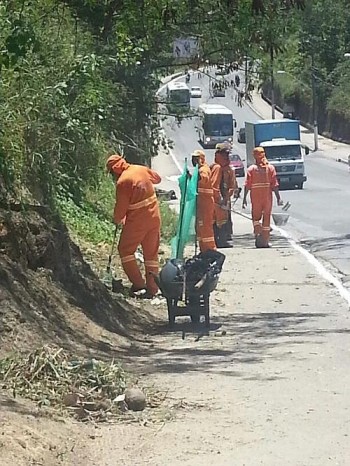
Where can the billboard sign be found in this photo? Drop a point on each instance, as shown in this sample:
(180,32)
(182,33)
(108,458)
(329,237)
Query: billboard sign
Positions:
(187,47)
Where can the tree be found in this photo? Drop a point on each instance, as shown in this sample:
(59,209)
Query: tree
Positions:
(79,77)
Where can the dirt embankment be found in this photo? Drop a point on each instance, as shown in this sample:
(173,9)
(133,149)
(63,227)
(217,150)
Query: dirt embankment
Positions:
(48,293)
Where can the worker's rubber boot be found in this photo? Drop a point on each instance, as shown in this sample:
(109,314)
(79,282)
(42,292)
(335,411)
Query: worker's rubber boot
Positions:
(137,292)
(151,295)
(260,242)
(229,233)
(220,237)
(216,235)
(229,230)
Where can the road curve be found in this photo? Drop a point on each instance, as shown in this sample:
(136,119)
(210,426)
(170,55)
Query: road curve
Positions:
(320,213)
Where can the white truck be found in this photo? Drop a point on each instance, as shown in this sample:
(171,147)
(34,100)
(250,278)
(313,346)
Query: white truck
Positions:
(283,148)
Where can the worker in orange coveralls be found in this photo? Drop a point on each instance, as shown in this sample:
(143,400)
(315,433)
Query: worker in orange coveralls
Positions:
(205,203)
(137,209)
(224,186)
(261,181)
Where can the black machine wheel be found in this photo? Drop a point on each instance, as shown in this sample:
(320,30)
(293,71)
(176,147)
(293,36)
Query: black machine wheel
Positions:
(195,303)
(195,318)
(171,303)
(206,310)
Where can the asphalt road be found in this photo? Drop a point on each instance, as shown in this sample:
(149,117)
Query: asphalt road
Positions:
(320,213)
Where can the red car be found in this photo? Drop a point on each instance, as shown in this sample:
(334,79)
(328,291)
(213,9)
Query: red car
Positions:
(237,165)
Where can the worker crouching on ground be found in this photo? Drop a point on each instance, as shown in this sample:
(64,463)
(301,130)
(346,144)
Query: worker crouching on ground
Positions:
(137,210)
(205,203)
(261,181)
(224,186)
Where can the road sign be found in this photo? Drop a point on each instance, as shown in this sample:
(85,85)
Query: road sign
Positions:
(187,47)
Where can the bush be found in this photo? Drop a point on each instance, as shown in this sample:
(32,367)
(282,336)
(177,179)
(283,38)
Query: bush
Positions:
(68,97)
(169,221)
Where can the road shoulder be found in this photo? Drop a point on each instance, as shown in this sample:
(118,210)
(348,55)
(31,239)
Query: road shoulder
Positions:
(268,385)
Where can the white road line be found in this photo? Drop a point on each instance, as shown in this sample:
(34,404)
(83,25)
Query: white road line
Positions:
(173,156)
(171,153)
(320,268)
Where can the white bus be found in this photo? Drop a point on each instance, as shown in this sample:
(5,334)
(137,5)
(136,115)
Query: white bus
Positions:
(178,95)
(215,124)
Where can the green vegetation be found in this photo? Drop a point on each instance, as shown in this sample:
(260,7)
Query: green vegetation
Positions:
(339,100)
(169,219)
(78,80)
(50,377)
(85,221)
(95,225)
(314,50)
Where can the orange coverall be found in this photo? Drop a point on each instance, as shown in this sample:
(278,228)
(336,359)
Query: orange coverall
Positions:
(137,207)
(261,180)
(224,185)
(205,206)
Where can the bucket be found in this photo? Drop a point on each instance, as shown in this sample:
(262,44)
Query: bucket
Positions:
(280,219)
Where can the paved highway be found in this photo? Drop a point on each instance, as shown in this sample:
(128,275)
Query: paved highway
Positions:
(320,213)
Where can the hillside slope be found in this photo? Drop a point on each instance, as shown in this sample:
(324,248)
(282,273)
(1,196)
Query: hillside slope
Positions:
(48,293)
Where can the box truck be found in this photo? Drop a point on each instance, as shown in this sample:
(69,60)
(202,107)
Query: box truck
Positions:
(283,148)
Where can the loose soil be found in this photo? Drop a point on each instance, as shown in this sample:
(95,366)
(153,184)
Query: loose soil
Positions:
(51,294)
(266,385)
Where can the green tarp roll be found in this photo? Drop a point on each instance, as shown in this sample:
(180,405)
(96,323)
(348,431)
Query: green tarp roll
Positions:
(185,231)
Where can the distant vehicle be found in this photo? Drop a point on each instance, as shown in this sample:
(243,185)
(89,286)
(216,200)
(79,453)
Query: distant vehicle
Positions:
(241,135)
(283,148)
(217,92)
(178,95)
(196,92)
(215,123)
(237,165)
(221,71)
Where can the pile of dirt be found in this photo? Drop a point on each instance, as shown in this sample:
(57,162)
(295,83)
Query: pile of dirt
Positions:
(49,294)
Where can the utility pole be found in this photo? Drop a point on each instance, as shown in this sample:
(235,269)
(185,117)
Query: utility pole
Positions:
(210,84)
(272,77)
(314,101)
(246,75)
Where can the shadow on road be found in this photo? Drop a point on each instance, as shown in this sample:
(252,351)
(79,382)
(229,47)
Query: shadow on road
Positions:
(326,244)
(247,241)
(247,339)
